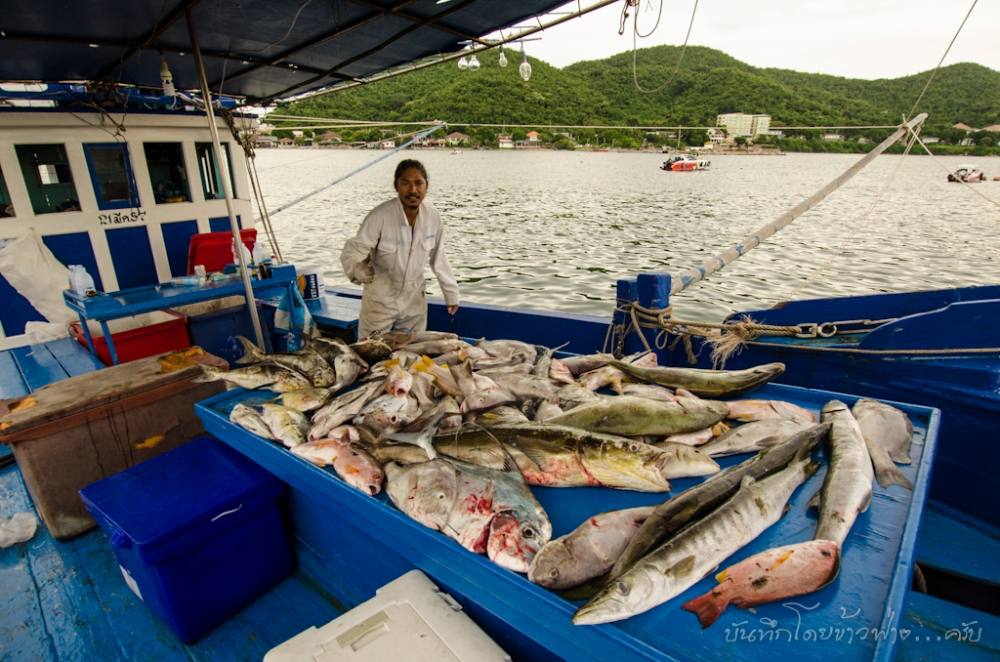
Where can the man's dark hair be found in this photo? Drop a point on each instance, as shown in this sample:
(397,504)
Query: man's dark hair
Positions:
(405,165)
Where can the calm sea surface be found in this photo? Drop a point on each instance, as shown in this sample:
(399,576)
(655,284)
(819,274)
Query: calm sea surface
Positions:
(555,229)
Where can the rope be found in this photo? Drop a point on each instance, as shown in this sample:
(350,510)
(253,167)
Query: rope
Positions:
(409,142)
(680,57)
(941,61)
(945,168)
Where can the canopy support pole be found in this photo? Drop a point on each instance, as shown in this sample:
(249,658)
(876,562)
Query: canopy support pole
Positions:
(223,165)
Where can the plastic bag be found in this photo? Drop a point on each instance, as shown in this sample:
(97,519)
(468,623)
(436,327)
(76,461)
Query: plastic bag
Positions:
(31,269)
(19,528)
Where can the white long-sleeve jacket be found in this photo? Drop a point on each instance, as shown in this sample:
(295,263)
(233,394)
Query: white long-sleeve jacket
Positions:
(393,278)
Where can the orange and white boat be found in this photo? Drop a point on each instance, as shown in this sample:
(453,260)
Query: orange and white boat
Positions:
(684,163)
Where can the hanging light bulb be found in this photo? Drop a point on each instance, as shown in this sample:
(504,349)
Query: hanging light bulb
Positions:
(525,68)
(463,64)
(473,62)
(503,58)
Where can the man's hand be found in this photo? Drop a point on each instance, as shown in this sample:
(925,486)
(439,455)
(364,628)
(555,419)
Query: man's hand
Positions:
(452,310)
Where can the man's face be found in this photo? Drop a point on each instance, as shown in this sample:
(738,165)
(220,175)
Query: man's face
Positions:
(412,187)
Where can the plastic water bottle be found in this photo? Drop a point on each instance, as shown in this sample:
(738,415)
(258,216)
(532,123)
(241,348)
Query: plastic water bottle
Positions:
(80,281)
(246,254)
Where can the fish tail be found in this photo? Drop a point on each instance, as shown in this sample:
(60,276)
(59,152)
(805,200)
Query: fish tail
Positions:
(893,476)
(208,374)
(708,607)
(250,352)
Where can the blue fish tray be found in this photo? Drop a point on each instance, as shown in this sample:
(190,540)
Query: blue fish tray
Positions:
(352,544)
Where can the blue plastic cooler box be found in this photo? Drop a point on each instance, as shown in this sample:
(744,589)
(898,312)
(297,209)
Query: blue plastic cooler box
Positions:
(197,532)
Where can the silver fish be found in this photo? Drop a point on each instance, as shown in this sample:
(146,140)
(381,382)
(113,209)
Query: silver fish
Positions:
(632,416)
(306,362)
(274,377)
(752,437)
(248,419)
(680,563)
(711,383)
(588,551)
(483,509)
(389,413)
(748,411)
(847,488)
(287,425)
(342,409)
(306,400)
(887,432)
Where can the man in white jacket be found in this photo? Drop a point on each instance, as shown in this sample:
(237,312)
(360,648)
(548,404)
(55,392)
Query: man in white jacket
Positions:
(390,253)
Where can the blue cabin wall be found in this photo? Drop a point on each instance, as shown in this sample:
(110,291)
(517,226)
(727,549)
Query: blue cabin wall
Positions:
(221,223)
(176,237)
(132,256)
(75,248)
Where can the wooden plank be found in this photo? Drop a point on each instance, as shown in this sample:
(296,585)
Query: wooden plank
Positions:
(11,383)
(934,629)
(949,543)
(74,357)
(38,366)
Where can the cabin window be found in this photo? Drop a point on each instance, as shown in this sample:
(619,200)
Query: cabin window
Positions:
(48,178)
(167,173)
(6,208)
(212,184)
(111,173)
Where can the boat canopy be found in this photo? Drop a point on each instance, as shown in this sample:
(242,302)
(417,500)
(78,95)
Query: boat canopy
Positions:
(262,50)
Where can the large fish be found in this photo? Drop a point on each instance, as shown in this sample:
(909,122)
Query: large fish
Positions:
(582,363)
(774,574)
(342,409)
(651,391)
(478,391)
(483,509)
(711,383)
(249,419)
(349,459)
(752,437)
(690,505)
(306,362)
(389,413)
(633,416)
(372,349)
(588,551)
(307,399)
(287,425)
(331,348)
(847,488)
(887,432)
(747,411)
(681,562)
(274,377)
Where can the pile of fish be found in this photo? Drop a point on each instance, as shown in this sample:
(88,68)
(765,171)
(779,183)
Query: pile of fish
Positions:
(458,432)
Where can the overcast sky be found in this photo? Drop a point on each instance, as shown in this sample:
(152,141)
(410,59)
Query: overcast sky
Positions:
(854,38)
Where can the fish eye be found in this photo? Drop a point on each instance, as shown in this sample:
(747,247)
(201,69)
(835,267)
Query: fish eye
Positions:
(633,447)
(528,532)
(622,587)
(554,573)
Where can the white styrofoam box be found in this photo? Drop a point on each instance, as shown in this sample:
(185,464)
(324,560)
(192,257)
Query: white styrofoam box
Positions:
(408,616)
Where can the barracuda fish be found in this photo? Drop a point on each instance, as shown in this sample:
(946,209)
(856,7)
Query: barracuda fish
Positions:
(342,409)
(692,504)
(435,347)
(349,459)
(752,437)
(248,419)
(287,425)
(306,400)
(887,432)
(307,362)
(712,383)
(771,575)
(483,509)
(588,551)
(847,488)
(747,411)
(681,562)
(274,377)
(632,416)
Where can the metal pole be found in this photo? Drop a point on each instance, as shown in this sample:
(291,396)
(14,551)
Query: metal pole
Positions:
(709,266)
(223,165)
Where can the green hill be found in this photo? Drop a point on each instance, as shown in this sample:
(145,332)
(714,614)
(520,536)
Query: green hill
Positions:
(708,82)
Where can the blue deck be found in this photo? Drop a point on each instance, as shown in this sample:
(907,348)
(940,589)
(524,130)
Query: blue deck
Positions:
(534,623)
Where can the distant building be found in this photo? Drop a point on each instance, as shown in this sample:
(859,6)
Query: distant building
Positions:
(329,137)
(760,125)
(930,140)
(298,133)
(457,138)
(265,141)
(387,144)
(716,136)
(286,142)
(504,141)
(533,137)
(832,137)
(736,124)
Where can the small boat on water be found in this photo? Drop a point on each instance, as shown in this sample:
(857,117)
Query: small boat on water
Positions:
(968,174)
(685,163)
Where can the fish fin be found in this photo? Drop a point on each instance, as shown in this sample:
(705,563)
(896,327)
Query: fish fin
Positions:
(833,572)
(867,503)
(251,354)
(708,607)
(814,502)
(681,568)
(893,476)
(901,457)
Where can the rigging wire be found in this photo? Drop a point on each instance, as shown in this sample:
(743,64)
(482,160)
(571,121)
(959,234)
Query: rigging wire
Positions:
(941,61)
(680,57)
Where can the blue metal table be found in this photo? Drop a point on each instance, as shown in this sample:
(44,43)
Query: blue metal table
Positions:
(352,544)
(335,311)
(106,306)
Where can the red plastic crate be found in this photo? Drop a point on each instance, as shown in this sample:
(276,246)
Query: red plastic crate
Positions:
(141,342)
(215,249)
